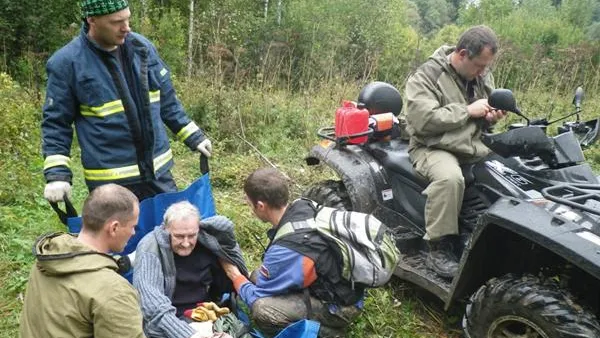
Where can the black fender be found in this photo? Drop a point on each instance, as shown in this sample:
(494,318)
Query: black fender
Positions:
(359,171)
(523,237)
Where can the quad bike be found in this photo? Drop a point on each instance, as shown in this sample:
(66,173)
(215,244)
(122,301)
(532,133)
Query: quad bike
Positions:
(530,219)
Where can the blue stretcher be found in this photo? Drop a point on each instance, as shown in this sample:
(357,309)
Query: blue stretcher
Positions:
(199,193)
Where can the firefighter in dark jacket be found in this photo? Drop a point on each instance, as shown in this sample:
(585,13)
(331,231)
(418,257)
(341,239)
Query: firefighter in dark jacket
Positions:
(112,85)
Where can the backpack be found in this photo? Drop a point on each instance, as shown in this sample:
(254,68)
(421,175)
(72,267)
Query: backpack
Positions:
(366,249)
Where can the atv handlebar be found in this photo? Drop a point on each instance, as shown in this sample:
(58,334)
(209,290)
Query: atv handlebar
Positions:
(586,132)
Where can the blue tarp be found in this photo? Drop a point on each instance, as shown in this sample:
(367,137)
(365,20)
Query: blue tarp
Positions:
(152,209)
(303,329)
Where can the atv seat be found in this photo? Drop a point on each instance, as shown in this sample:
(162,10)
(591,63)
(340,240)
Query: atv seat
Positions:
(393,155)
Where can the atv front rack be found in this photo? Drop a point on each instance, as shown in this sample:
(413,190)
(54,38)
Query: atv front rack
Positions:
(585,197)
(329,134)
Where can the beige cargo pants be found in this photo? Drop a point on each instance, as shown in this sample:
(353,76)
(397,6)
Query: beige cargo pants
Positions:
(444,192)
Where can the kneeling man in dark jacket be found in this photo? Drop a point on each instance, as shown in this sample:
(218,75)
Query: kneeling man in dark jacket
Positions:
(176,267)
(293,283)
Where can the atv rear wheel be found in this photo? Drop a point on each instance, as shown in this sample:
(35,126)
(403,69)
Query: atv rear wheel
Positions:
(330,193)
(525,307)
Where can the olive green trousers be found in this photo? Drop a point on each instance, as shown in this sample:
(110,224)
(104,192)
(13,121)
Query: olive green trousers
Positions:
(444,192)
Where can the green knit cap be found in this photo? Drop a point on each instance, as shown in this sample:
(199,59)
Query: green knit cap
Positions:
(101,7)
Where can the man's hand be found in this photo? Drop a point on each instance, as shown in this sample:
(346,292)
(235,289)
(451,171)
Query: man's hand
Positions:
(479,108)
(495,115)
(55,191)
(230,269)
(205,147)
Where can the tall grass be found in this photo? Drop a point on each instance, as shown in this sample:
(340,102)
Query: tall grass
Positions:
(251,126)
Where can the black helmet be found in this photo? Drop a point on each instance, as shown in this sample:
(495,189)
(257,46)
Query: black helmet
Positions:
(380,97)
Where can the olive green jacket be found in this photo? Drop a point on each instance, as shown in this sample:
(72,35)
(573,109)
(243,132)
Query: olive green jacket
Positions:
(436,112)
(74,291)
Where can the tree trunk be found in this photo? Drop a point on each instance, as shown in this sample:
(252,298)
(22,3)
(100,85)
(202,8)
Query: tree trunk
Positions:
(279,12)
(190,41)
(266,8)
(143,10)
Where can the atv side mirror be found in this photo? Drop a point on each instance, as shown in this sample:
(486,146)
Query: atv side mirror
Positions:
(505,100)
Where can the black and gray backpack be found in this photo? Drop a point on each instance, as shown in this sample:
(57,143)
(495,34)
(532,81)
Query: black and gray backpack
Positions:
(351,251)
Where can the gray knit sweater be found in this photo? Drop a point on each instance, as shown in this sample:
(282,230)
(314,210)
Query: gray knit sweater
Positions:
(154,273)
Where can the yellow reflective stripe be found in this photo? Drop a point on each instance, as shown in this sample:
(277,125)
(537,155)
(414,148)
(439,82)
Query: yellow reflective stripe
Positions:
(56,160)
(111,174)
(155,96)
(186,131)
(125,172)
(104,110)
(162,159)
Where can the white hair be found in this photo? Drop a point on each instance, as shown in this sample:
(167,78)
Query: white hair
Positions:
(180,211)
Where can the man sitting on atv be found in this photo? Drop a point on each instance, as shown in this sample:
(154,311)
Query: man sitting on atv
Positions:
(447,110)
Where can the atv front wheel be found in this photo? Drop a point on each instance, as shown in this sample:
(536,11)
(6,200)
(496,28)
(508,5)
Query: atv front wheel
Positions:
(525,307)
(330,193)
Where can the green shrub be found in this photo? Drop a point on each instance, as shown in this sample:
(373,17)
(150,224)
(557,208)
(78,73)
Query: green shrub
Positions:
(168,34)
(20,116)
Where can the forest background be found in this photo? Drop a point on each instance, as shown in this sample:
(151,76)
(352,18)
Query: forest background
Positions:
(260,76)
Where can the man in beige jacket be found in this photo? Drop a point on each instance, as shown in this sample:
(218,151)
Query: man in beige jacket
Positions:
(74,289)
(447,109)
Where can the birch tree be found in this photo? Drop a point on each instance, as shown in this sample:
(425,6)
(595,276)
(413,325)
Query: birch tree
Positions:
(279,12)
(266,8)
(190,41)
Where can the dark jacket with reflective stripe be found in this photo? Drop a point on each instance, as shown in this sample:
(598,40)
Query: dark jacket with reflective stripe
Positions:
(118,113)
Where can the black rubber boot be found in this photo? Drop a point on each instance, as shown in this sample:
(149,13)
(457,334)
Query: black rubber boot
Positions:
(441,258)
